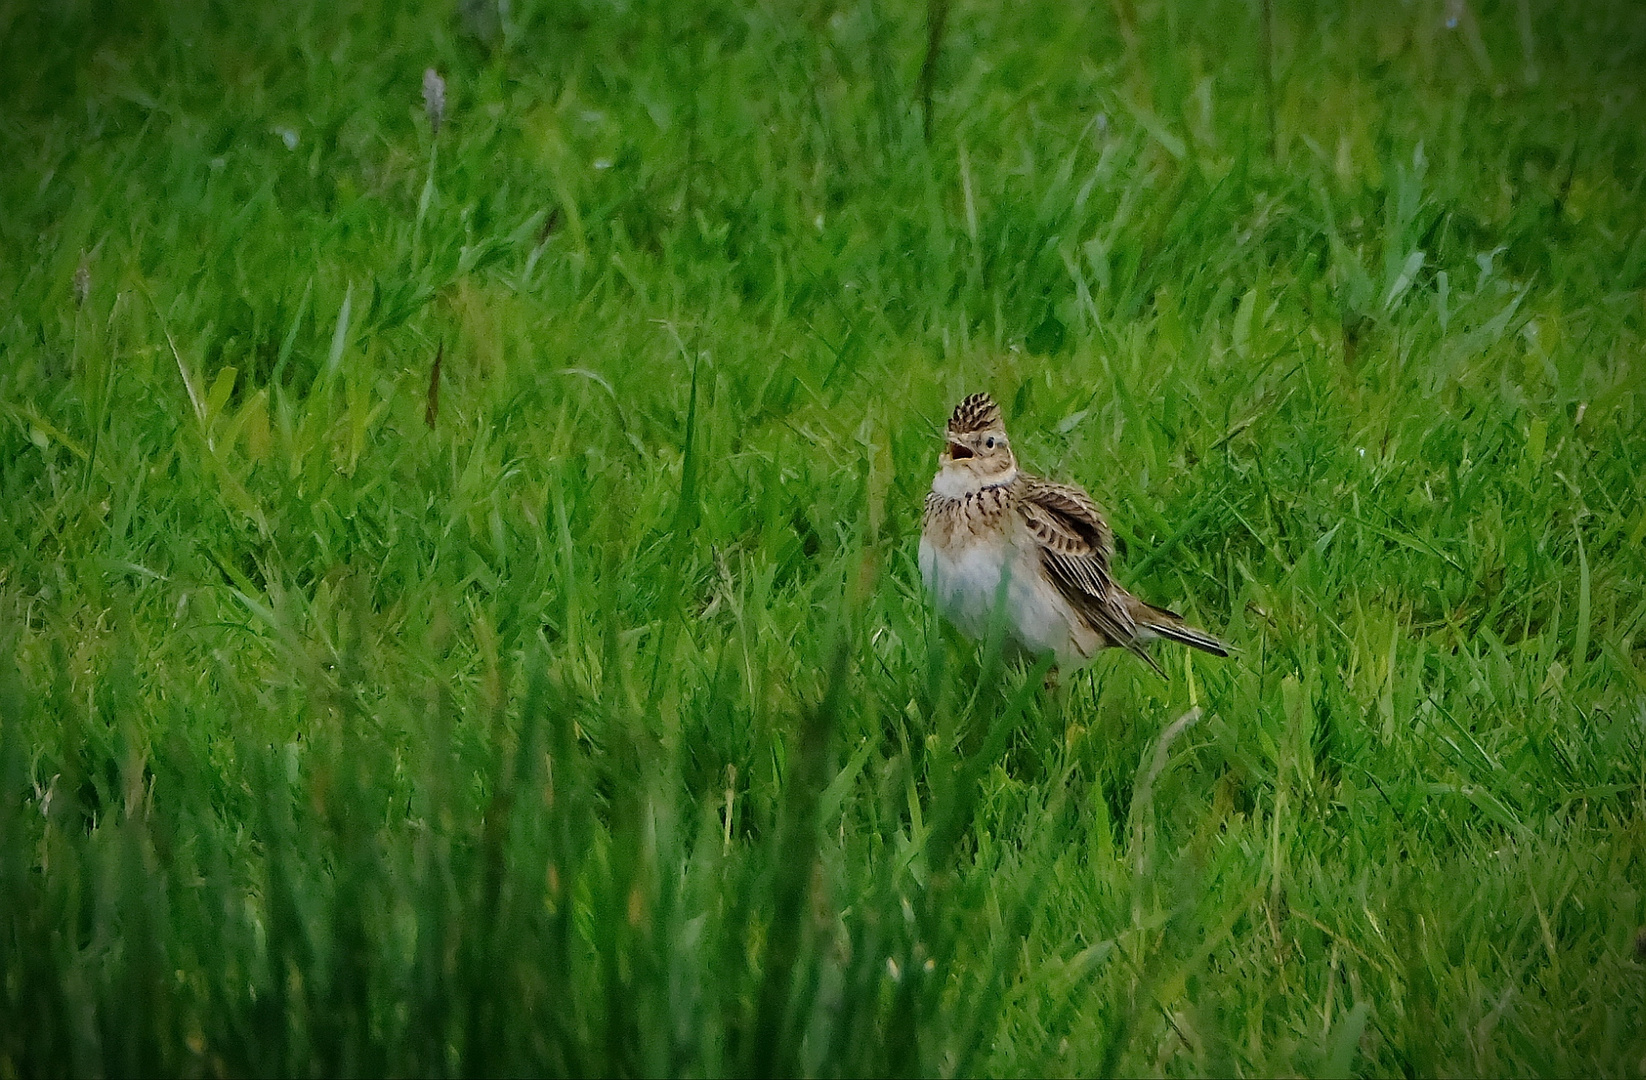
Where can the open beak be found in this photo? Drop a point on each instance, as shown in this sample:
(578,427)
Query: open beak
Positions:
(959,452)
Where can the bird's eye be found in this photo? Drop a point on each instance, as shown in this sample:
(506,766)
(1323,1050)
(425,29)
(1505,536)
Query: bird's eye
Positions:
(989,442)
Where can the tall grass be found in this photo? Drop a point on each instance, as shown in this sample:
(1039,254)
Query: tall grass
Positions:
(457,600)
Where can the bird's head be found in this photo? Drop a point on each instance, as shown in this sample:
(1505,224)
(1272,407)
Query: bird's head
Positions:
(976,453)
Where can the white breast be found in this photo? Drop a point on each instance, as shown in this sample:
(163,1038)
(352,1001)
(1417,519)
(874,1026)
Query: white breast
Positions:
(964,580)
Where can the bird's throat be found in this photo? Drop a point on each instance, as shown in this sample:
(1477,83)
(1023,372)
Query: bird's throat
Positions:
(955,482)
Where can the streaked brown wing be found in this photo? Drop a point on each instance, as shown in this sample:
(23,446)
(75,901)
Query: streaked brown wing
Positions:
(1064,519)
(1076,546)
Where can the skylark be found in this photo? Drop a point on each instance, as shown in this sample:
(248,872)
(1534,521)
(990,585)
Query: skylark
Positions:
(986,518)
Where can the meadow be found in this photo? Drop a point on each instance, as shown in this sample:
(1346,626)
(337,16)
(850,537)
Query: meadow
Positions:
(458,603)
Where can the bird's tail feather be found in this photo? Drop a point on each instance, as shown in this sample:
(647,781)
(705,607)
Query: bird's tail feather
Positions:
(1170,625)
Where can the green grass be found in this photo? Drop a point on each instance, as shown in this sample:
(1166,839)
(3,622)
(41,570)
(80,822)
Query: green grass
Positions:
(602,727)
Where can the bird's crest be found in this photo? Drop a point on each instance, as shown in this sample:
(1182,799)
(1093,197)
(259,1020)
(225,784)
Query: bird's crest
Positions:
(976,413)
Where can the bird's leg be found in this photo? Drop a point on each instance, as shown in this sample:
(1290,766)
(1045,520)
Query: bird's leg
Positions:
(1054,704)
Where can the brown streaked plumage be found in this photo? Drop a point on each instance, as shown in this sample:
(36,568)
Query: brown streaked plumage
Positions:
(986,520)
(975,413)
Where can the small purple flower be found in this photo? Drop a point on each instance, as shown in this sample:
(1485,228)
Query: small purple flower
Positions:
(434,98)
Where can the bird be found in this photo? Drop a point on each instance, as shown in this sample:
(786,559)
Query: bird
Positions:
(987,519)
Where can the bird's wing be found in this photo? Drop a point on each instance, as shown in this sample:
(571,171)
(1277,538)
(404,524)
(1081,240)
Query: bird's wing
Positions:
(1076,546)
(1066,520)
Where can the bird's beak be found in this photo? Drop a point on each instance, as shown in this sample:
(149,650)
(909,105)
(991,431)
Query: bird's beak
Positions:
(958,452)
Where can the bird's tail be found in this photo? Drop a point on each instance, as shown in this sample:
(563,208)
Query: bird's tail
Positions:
(1170,625)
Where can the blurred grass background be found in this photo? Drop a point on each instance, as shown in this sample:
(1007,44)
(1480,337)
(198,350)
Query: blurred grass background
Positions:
(587,717)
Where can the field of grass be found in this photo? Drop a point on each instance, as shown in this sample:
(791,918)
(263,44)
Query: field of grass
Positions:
(458,610)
